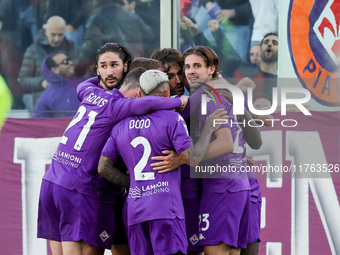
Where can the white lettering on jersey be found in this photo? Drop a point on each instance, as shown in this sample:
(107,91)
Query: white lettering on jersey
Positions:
(96,100)
(139,124)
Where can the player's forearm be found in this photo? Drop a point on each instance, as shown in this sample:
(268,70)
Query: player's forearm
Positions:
(150,104)
(197,152)
(223,144)
(111,173)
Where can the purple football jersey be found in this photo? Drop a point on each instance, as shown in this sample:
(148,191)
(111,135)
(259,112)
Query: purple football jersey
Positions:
(232,179)
(137,139)
(74,164)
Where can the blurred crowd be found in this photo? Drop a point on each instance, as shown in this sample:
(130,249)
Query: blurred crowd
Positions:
(47,46)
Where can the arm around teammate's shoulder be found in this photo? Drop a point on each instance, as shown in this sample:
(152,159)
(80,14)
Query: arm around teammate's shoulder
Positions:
(195,154)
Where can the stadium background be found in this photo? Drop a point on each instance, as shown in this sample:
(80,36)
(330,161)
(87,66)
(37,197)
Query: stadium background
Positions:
(299,215)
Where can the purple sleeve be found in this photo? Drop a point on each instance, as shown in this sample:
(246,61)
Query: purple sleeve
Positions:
(148,104)
(193,102)
(85,85)
(179,133)
(186,112)
(110,150)
(128,107)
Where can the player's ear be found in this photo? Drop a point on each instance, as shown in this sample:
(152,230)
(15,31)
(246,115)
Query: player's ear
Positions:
(138,94)
(166,93)
(212,69)
(125,67)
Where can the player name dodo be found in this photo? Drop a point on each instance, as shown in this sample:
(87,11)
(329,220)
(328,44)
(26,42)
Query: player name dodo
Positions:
(139,124)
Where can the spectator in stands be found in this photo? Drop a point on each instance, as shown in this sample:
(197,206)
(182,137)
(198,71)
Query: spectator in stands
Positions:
(268,67)
(266,16)
(236,18)
(239,69)
(75,14)
(143,9)
(10,57)
(269,54)
(30,21)
(138,34)
(128,30)
(60,98)
(50,40)
(193,36)
(255,54)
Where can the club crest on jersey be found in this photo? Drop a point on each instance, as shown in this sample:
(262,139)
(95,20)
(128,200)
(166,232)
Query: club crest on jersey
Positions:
(194,239)
(104,236)
(314,44)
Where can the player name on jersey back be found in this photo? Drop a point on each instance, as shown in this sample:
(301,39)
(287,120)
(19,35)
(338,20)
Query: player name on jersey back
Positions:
(139,124)
(96,100)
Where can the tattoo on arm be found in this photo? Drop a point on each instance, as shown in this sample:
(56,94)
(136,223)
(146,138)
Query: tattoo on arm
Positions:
(110,172)
(197,152)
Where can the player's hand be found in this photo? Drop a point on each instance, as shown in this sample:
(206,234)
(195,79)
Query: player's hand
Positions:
(250,160)
(246,83)
(167,163)
(184,100)
(216,119)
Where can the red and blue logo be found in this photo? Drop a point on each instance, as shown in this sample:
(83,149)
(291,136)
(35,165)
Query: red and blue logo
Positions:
(314,44)
(208,92)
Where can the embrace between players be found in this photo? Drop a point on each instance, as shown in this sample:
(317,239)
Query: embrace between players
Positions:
(131,190)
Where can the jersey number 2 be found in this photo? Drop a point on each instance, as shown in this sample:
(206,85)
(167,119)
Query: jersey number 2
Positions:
(139,167)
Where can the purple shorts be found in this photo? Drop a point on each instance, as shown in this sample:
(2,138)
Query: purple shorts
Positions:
(191,209)
(159,237)
(66,215)
(254,222)
(224,217)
